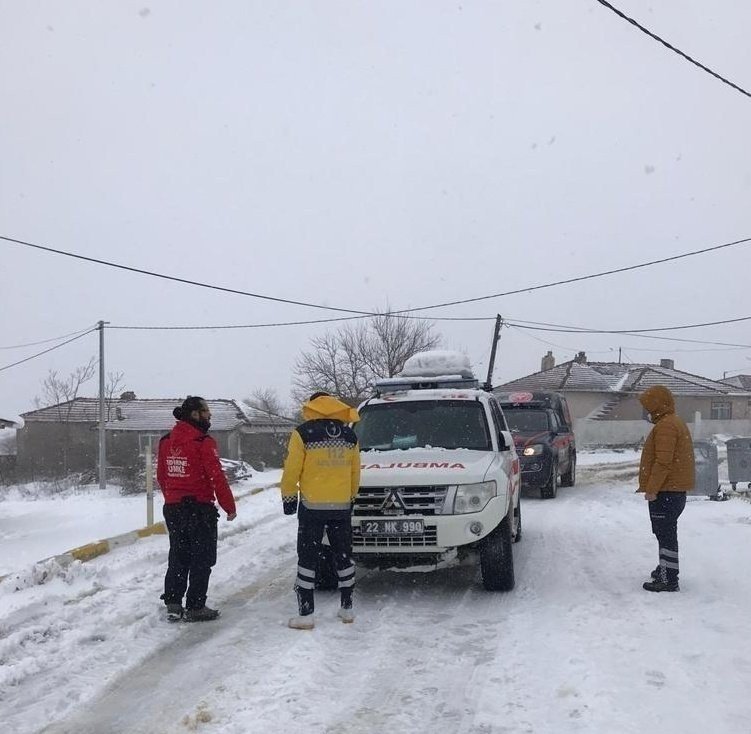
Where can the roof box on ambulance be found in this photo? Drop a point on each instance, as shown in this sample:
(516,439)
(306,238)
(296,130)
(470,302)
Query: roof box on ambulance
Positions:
(432,370)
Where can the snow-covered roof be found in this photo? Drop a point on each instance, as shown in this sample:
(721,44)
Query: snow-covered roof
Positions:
(741,381)
(150,414)
(9,423)
(617,378)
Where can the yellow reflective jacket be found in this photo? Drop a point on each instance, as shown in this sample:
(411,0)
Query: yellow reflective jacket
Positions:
(323,457)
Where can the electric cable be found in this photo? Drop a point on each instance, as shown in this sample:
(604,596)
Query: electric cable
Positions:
(46,351)
(46,341)
(399,312)
(625,17)
(580,329)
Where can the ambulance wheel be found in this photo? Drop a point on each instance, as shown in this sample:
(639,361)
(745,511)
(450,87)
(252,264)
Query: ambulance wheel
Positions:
(497,558)
(518,515)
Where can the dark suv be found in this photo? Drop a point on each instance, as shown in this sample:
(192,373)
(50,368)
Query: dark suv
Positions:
(543,433)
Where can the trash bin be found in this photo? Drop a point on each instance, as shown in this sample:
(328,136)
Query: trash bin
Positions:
(739,461)
(707,477)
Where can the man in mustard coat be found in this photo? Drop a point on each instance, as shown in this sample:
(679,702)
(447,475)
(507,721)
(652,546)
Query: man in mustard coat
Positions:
(320,480)
(666,473)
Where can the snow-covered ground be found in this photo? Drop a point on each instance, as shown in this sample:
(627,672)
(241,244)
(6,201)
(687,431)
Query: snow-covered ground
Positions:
(37,525)
(576,647)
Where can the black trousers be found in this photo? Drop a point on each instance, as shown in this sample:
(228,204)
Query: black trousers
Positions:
(310,529)
(664,513)
(192,528)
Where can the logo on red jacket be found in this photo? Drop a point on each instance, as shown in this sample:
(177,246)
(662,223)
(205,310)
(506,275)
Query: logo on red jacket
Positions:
(177,464)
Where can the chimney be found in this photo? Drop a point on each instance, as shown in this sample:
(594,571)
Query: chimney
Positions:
(667,364)
(581,358)
(548,362)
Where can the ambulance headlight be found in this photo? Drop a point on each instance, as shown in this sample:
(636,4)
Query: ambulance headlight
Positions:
(473,497)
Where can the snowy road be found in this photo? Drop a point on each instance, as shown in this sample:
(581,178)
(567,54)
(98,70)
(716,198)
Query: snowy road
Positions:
(576,647)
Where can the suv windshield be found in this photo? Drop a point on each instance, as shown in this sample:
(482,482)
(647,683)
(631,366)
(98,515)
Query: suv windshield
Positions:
(450,424)
(523,420)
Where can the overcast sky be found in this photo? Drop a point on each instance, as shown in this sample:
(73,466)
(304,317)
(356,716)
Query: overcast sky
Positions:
(360,154)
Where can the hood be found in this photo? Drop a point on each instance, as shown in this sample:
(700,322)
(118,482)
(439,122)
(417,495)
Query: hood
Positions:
(420,467)
(326,406)
(185,431)
(658,401)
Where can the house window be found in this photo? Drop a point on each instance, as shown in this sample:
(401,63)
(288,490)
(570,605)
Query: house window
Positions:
(722,410)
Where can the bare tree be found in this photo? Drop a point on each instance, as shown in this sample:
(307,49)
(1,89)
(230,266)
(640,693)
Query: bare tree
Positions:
(61,393)
(347,362)
(112,388)
(267,401)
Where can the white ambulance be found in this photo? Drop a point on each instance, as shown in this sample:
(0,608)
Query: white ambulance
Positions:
(440,475)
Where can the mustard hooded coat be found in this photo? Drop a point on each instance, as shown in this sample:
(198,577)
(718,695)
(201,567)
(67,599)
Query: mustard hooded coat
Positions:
(667,459)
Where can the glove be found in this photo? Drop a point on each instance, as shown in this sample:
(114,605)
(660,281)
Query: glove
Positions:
(290,505)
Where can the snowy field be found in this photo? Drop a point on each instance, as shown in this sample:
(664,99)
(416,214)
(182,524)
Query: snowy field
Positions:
(576,647)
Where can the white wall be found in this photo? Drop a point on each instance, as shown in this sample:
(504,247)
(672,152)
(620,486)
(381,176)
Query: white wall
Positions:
(617,433)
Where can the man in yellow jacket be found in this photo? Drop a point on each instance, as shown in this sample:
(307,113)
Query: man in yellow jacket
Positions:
(320,480)
(666,473)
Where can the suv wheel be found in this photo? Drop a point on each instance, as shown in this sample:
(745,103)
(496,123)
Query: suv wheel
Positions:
(569,478)
(497,559)
(550,490)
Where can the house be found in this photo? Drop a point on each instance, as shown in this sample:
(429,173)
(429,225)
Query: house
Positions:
(604,398)
(63,438)
(7,450)
(741,381)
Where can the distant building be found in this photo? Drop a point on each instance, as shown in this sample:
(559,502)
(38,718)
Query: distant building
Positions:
(64,438)
(741,381)
(609,391)
(7,449)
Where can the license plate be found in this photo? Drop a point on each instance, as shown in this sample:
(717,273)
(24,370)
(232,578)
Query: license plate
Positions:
(399,526)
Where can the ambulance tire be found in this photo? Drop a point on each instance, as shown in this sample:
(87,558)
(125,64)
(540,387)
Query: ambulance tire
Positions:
(497,558)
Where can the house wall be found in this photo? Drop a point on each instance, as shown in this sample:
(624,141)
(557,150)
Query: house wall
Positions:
(55,449)
(583,404)
(267,449)
(590,433)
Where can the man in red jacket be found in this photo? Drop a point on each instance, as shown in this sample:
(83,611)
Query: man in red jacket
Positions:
(190,476)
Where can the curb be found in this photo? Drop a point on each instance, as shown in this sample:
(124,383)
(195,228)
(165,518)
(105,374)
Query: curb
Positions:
(100,547)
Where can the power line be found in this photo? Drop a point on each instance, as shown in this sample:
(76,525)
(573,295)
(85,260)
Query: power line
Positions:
(45,341)
(640,335)
(580,329)
(46,351)
(510,321)
(631,349)
(399,312)
(529,289)
(673,48)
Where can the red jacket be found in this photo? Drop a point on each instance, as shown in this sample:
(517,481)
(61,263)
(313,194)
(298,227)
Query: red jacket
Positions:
(188,466)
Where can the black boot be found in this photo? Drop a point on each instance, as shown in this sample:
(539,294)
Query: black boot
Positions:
(204,614)
(658,585)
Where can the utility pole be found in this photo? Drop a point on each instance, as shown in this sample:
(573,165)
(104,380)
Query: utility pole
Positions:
(493,349)
(619,355)
(102,412)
